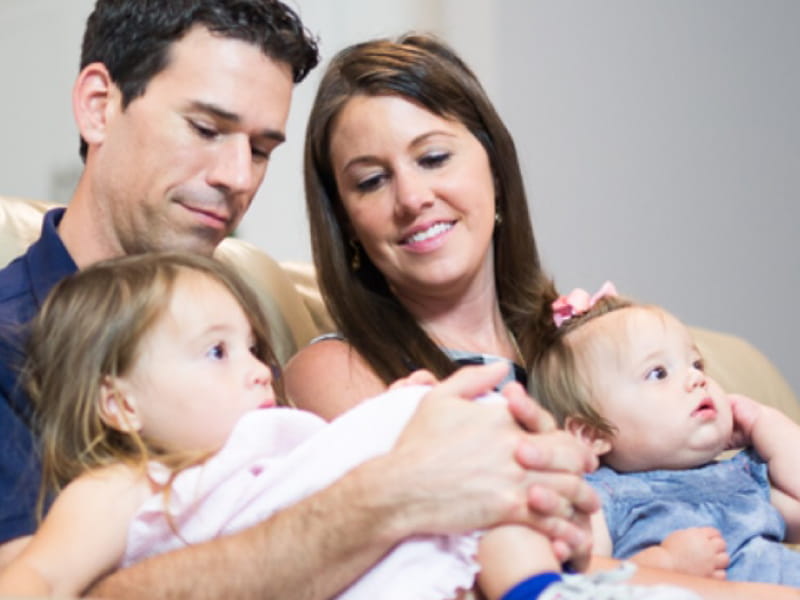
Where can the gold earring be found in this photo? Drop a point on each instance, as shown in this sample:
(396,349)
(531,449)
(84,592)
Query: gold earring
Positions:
(355,261)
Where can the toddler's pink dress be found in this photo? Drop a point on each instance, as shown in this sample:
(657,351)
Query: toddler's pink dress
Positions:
(277,456)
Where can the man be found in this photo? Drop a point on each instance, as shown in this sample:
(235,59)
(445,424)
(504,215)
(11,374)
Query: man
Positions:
(179,104)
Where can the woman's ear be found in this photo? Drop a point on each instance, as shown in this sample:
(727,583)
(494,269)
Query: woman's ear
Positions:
(93,96)
(118,407)
(597,441)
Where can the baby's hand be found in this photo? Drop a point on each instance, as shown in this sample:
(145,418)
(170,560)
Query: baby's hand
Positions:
(697,551)
(745,414)
(420,377)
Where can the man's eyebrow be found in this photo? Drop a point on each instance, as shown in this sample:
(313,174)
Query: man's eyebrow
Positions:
(231,117)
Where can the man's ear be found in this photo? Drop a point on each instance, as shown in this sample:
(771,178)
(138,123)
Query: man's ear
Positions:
(93,96)
(118,407)
(597,441)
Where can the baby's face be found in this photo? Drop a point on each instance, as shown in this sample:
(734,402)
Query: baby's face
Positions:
(196,374)
(648,380)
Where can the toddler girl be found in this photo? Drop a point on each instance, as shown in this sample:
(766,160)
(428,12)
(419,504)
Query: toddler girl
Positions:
(159,423)
(629,381)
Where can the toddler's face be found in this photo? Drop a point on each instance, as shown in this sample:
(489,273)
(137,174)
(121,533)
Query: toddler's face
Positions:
(196,374)
(649,382)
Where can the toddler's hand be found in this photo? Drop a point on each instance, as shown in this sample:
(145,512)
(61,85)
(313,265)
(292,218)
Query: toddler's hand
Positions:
(697,551)
(745,414)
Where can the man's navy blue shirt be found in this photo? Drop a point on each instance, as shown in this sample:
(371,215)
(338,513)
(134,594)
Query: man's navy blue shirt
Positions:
(24,285)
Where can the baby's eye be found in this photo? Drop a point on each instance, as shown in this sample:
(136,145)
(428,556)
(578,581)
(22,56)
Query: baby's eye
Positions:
(699,364)
(217,351)
(434,159)
(656,373)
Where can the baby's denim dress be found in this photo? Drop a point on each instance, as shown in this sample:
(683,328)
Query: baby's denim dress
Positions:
(733,495)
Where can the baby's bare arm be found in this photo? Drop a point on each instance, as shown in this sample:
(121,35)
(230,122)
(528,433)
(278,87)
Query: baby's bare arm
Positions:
(776,438)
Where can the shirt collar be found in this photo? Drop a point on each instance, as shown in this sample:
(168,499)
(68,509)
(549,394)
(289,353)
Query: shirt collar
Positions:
(48,260)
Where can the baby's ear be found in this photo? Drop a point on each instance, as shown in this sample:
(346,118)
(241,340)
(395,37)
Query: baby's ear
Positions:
(596,440)
(117,406)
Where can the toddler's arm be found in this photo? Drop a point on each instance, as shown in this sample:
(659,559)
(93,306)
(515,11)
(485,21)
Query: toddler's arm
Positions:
(509,554)
(694,551)
(776,438)
(82,537)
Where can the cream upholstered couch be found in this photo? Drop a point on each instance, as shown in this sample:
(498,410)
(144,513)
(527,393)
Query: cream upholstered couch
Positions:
(289,295)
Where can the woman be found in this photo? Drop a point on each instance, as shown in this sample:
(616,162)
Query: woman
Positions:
(422,239)
(421,234)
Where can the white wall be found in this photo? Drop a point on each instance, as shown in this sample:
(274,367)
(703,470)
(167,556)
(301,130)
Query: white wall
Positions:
(660,138)
(661,142)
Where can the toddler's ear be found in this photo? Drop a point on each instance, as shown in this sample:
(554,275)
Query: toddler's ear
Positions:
(118,408)
(597,441)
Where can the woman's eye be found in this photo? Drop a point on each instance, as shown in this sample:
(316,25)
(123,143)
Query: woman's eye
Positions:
(370,183)
(434,159)
(217,351)
(656,373)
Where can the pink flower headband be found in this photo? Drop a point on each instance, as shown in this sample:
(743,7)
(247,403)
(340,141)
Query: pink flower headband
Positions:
(578,301)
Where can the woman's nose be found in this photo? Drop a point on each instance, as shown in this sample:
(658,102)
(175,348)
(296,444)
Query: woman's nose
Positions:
(412,192)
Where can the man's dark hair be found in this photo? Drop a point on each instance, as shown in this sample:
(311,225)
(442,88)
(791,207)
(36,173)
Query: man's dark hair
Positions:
(132,37)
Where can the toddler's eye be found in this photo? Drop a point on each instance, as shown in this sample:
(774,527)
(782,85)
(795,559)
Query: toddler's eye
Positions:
(699,364)
(217,351)
(656,373)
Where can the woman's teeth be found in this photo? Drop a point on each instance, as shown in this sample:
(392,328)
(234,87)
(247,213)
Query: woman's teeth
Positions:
(428,233)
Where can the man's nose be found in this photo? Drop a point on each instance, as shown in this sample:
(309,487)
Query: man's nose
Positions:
(233,166)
